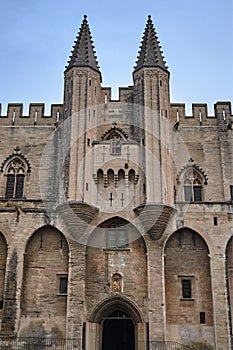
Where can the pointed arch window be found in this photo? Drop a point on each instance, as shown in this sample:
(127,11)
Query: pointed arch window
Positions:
(193,186)
(15,173)
(191,180)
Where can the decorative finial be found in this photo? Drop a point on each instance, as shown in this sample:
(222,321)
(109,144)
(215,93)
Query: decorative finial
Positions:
(149,17)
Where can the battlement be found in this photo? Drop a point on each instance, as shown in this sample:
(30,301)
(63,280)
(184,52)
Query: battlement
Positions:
(222,113)
(200,117)
(36,116)
(124,94)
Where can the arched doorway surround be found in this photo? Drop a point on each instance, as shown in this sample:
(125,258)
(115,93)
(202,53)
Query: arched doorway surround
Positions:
(118,324)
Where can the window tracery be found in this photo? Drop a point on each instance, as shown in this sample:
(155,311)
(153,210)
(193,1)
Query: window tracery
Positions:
(15,167)
(192,179)
(15,173)
(192,186)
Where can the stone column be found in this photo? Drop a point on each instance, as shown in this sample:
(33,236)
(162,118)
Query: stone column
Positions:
(222,336)
(9,312)
(76,292)
(156,292)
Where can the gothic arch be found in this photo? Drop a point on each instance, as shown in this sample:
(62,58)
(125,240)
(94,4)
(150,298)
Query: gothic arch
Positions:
(195,168)
(188,284)
(45,280)
(108,254)
(115,303)
(97,237)
(202,235)
(19,155)
(191,180)
(45,227)
(15,167)
(114,133)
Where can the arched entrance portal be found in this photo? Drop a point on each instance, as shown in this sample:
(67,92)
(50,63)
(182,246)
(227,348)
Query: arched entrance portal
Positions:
(118,332)
(116,324)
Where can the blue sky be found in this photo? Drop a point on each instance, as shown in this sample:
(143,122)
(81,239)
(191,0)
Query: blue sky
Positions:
(36,38)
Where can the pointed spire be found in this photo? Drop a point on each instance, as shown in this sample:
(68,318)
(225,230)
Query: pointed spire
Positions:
(83,53)
(150,54)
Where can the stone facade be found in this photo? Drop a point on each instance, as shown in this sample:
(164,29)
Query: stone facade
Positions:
(117,210)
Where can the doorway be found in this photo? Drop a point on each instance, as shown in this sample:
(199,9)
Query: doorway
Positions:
(118,332)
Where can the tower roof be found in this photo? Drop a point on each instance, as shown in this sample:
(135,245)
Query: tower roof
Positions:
(83,53)
(150,54)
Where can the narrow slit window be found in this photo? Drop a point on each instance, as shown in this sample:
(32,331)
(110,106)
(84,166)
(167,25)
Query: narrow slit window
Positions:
(197,193)
(63,285)
(19,186)
(10,185)
(202,317)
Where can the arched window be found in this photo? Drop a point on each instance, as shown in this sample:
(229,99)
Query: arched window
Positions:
(121,176)
(14,168)
(191,180)
(110,175)
(132,176)
(193,186)
(15,173)
(100,177)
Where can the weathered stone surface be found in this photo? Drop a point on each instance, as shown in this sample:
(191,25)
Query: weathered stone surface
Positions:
(120,166)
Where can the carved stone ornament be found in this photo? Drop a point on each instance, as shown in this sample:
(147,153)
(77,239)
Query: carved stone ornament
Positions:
(116,283)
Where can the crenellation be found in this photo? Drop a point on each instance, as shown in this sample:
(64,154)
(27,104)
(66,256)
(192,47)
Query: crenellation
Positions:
(200,116)
(57,112)
(125,94)
(223,113)
(106,95)
(200,112)
(36,116)
(36,111)
(14,110)
(223,107)
(177,112)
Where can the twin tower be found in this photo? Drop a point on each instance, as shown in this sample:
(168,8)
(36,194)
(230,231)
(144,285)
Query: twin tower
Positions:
(120,155)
